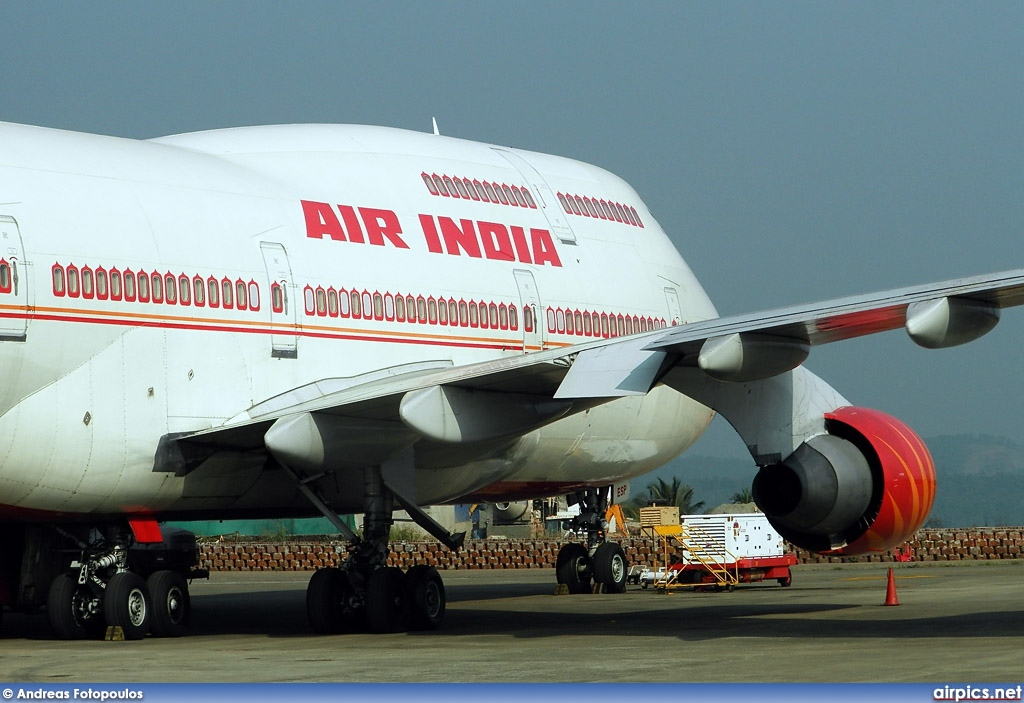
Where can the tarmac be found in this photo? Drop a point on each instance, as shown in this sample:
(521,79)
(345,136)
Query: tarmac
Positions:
(956,622)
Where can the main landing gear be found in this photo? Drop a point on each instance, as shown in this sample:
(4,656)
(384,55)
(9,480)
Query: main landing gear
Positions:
(596,565)
(364,593)
(140,589)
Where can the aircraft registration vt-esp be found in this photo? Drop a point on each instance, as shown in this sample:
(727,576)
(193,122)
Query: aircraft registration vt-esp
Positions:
(323,319)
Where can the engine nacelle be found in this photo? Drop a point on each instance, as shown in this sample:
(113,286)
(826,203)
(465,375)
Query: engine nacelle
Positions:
(866,486)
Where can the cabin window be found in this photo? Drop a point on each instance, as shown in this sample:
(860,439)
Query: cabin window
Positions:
(171,284)
(442,313)
(492,310)
(484,322)
(199,291)
(214,292)
(228,295)
(429,183)
(321,302)
(184,289)
(588,327)
(332,301)
(432,311)
(502,196)
(357,305)
(570,327)
(479,188)
(578,322)
(156,287)
(129,286)
(450,187)
(389,307)
(463,314)
(503,316)
(143,287)
(241,299)
(519,196)
(58,280)
(559,321)
(421,309)
(529,199)
(472,189)
(491,197)
(116,285)
(410,308)
(551,320)
(528,318)
(453,312)
(378,306)
(604,325)
(474,316)
(565,203)
(308,299)
(102,284)
(254,296)
(400,308)
(88,289)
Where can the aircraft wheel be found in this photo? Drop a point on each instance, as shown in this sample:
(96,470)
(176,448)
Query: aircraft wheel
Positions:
(424,597)
(67,606)
(609,567)
(384,600)
(172,606)
(126,605)
(571,568)
(329,602)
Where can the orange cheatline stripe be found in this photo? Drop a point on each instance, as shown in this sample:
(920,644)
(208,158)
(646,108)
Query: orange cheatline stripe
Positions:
(143,319)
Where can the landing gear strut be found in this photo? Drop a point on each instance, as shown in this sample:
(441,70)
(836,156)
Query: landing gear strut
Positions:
(366,593)
(105,586)
(595,564)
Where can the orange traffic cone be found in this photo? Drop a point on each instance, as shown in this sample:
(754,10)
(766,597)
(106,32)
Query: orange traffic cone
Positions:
(890,591)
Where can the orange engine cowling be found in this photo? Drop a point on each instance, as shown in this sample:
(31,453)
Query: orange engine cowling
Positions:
(865,486)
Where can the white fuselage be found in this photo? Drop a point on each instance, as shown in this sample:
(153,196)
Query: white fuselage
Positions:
(281,256)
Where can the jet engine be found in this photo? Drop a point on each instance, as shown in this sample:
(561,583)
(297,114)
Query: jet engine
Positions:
(865,486)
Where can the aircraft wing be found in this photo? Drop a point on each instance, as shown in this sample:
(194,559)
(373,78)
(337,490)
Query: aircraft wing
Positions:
(511,395)
(763,344)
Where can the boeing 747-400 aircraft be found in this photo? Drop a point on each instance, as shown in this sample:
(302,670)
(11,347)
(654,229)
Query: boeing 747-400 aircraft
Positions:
(324,319)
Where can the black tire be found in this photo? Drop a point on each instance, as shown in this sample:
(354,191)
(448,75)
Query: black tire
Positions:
(172,607)
(424,598)
(385,610)
(126,604)
(64,605)
(786,582)
(610,568)
(328,602)
(571,568)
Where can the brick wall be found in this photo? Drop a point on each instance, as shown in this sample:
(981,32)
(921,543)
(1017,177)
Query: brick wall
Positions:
(308,555)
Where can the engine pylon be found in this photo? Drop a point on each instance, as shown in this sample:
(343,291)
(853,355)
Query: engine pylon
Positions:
(890,590)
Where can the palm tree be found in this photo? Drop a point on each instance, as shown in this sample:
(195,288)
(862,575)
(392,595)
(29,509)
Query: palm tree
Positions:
(744,496)
(673,492)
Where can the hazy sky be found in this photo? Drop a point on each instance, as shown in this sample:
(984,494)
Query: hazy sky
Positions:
(793,151)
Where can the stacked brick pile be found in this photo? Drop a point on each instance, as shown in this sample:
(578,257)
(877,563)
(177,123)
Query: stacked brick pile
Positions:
(928,545)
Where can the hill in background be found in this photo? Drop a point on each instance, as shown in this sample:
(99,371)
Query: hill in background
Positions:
(980,479)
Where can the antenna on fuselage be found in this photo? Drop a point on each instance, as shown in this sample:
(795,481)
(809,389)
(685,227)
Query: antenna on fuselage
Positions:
(436,130)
